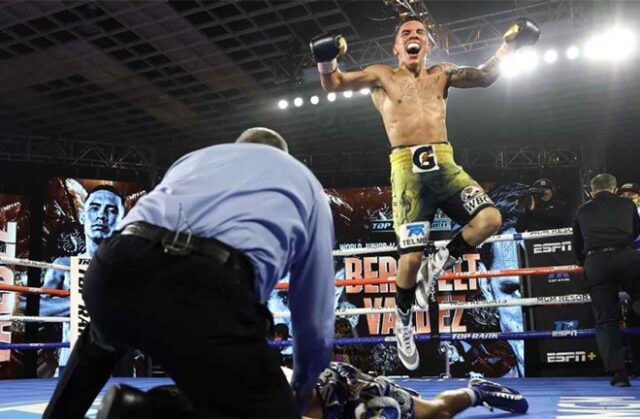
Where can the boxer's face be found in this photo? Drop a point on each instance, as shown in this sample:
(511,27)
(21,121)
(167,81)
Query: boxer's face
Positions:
(411,44)
(102,210)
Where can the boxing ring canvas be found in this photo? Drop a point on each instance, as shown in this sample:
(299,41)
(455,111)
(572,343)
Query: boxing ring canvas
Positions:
(548,398)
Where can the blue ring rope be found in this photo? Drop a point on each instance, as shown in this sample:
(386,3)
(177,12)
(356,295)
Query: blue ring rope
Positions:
(567,334)
(28,346)
(582,333)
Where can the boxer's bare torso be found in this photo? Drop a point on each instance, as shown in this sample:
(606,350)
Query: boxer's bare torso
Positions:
(412,99)
(413,108)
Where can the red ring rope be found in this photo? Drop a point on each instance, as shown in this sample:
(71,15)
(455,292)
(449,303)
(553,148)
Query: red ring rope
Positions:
(364,281)
(47,291)
(542,270)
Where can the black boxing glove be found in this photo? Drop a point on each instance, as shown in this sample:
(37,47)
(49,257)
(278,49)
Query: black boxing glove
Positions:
(325,50)
(524,32)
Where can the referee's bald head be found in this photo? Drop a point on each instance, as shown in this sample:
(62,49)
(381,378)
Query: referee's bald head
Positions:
(261,135)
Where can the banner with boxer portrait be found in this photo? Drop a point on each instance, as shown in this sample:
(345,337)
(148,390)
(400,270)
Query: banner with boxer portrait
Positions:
(15,216)
(363,220)
(79,215)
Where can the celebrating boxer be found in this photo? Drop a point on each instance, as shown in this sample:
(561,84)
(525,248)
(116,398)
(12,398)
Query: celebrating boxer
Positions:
(412,101)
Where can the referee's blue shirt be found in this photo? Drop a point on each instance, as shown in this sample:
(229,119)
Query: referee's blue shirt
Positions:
(269,206)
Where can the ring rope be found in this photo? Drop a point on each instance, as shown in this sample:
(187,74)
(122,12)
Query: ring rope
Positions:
(30,346)
(439,243)
(541,270)
(453,305)
(500,237)
(32,263)
(556,334)
(34,290)
(35,319)
(534,334)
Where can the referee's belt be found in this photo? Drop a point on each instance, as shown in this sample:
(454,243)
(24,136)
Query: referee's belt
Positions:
(605,250)
(183,244)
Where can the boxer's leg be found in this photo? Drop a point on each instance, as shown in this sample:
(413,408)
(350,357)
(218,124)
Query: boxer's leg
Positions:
(411,222)
(464,200)
(472,208)
(443,405)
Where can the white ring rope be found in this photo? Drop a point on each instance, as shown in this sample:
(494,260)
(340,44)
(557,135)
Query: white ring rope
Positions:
(32,263)
(35,319)
(350,252)
(452,305)
(439,243)
(533,301)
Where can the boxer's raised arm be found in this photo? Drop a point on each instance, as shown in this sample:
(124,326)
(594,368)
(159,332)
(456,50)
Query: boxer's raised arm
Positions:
(467,77)
(325,50)
(524,32)
(351,80)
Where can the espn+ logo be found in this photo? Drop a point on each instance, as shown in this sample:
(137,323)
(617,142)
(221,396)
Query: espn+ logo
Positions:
(565,357)
(539,248)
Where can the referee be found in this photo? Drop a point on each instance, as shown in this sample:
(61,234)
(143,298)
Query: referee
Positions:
(187,278)
(603,241)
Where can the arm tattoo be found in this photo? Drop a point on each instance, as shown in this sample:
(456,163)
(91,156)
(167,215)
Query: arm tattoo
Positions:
(465,77)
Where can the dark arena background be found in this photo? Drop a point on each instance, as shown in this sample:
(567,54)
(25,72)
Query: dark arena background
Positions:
(112,92)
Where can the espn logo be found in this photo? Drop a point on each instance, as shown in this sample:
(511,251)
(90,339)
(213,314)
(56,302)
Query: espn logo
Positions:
(565,357)
(551,247)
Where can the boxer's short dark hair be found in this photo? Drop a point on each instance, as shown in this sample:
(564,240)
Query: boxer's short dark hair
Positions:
(106,188)
(405,19)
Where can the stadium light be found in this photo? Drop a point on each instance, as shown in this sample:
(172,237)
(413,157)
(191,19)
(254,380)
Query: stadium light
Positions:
(365,91)
(297,102)
(314,100)
(550,56)
(616,44)
(283,104)
(508,66)
(573,52)
(526,60)
(347,93)
(331,97)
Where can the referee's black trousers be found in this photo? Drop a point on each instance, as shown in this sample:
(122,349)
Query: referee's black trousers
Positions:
(606,273)
(197,317)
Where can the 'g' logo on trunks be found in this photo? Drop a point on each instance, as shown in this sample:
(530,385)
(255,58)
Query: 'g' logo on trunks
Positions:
(424,159)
